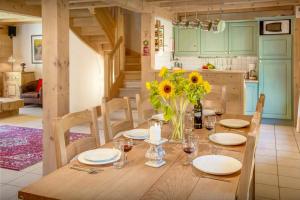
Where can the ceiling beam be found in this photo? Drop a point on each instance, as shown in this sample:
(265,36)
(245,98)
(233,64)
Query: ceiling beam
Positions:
(20,7)
(223,7)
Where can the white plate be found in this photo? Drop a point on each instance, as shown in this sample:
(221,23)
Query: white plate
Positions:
(208,112)
(234,123)
(228,138)
(138,134)
(159,117)
(100,155)
(81,157)
(217,164)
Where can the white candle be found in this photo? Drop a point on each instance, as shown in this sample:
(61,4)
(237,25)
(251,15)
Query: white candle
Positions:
(155,133)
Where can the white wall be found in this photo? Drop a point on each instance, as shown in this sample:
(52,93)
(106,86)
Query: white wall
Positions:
(164,58)
(86,67)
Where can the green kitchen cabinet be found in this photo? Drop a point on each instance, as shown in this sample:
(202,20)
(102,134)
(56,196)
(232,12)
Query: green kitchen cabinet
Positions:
(275,47)
(214,43)
(187,41)
(242,38)
(275,82)
(251,97)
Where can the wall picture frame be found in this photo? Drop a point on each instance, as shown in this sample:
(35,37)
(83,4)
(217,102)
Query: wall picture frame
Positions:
(36,49)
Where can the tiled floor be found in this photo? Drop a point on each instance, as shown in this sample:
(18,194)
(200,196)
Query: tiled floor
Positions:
(277,164)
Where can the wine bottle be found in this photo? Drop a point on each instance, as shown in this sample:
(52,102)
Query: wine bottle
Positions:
(198,115)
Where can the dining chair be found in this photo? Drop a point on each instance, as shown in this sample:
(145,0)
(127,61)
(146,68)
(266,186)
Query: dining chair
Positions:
(246,188)
(216,98)
(112,128)
(260,103)
(65,150)
(144,108)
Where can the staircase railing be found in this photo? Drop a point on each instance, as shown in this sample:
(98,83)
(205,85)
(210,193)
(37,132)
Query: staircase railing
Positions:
(113,77)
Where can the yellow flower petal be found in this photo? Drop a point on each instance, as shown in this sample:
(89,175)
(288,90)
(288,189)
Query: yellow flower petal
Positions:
(195,78)
(148,85)
(163,71)
(207,87)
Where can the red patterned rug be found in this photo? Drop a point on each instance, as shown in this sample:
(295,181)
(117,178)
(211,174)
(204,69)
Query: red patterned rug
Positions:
(21,147)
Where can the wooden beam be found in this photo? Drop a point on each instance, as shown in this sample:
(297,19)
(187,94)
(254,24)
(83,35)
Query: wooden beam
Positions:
(55,73)
(84,22)
(94,4)
(296,68)
(20,7)
(107,23)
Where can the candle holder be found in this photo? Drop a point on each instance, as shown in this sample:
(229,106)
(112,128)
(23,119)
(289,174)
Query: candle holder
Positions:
(155,153)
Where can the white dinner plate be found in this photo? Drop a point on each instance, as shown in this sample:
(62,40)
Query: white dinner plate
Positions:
(159,117)
(234,123)
(138,134)
(217,164)
(100,155)
(227,138)
(84,155)
(208,112)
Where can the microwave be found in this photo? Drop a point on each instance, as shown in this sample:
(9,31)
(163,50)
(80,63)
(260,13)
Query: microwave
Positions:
(275,27)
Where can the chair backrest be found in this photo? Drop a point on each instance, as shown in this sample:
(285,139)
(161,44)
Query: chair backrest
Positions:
(144,108)
(112,128)
(65,150)
(247,174)
(260,103)
(216,98)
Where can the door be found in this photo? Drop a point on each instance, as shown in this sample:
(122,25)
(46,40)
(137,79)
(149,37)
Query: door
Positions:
(275,47)
(251,97)
(275,83)
(187,41)
(243,38)
(214,43)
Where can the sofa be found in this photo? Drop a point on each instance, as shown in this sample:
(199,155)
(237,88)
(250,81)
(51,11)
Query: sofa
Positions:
(31,92)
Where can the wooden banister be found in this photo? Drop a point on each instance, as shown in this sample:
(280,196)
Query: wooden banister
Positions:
(117,46)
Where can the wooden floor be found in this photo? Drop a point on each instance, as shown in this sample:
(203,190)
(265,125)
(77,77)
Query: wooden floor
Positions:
(277,163)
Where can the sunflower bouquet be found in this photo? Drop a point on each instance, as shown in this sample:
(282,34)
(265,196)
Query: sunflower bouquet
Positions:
(173,95)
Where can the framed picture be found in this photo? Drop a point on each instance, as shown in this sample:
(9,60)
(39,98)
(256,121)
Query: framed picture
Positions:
(36,49)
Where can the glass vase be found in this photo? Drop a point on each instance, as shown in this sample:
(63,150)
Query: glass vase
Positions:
(177,128)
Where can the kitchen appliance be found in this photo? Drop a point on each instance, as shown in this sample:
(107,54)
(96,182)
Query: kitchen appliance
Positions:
(252,72)
(275,27)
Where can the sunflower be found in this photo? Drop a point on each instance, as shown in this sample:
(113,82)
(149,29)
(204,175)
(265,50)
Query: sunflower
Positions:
(163,71)
(195,78)
(148,85)
(166,89)
(207,87)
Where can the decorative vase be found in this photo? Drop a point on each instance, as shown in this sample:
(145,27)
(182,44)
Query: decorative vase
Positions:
(177,121)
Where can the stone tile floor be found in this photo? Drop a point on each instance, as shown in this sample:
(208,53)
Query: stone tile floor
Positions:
(277,163)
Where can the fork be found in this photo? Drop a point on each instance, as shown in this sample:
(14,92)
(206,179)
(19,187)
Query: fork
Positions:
(214,178)
(88,170)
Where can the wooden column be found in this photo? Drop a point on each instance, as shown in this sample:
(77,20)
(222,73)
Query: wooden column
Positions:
(55,16)
(296,72)
(147,61)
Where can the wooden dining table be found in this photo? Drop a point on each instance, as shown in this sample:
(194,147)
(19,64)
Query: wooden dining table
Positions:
(138,181)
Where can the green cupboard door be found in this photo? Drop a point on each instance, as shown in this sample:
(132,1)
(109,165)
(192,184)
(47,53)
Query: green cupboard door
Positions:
(275,47)
(214,43)
(243,38)
(187,41)
(275,83)
(251,97)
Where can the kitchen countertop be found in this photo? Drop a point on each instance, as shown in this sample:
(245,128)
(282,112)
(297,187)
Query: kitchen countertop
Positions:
(212,71)
(251,81)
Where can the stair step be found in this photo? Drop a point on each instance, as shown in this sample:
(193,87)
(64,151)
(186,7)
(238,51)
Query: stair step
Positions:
(132,83)
(84,22)
(132,75)
(133,59)
(128,92)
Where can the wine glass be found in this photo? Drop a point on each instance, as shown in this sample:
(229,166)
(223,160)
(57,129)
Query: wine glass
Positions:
(219,111)
(189,146)
(210,122)
(189,122)
(127,146)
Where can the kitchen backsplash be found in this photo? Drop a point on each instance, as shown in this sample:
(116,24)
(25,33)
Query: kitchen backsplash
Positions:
(221,63)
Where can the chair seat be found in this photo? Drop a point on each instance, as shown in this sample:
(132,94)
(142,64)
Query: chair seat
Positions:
(30,95)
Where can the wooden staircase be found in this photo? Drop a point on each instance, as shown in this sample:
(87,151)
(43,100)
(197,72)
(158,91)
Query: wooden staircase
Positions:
(131,86)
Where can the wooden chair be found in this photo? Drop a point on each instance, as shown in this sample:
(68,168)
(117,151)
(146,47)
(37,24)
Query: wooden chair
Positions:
(144,108)
(65,151)
(260,103)
(117,104)
(216,98)
(246,188)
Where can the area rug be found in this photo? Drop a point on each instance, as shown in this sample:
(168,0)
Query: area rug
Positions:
(19,119)
(21,147)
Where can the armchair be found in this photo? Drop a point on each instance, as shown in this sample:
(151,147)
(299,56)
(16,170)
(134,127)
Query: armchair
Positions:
(30,94)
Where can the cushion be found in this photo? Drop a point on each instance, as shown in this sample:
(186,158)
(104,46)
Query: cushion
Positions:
(39,85)
(30,95)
